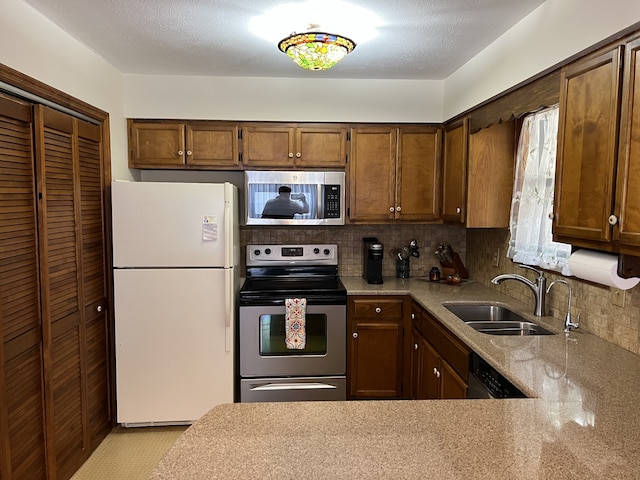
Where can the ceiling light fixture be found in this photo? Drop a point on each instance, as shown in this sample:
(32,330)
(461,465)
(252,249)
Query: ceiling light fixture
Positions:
(314,50)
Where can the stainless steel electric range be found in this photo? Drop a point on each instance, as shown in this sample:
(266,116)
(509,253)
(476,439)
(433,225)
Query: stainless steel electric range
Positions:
(270,369)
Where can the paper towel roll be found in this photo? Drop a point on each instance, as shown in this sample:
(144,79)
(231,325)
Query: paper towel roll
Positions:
(600,268)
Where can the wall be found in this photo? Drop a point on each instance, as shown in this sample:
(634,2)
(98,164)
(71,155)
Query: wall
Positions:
(598,315)
(35,46)
(556,30)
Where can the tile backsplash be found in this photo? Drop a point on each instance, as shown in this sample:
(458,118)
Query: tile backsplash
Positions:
(598,314)
(349,241)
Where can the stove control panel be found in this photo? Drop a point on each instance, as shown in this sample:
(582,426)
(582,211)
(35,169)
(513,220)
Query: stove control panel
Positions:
(324,254)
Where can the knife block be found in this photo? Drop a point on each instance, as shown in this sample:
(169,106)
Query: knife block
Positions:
(456,266)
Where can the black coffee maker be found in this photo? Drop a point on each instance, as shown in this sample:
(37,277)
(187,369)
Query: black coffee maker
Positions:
(372,253)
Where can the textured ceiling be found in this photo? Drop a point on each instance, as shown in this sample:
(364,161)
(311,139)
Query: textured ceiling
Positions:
(417,39)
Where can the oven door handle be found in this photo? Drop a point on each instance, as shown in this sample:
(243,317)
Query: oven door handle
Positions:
(292,386)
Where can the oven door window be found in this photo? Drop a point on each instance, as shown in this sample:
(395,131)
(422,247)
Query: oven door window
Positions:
(272,335)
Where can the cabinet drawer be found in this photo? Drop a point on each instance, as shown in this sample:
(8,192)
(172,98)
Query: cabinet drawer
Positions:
(450,348)
(378,308)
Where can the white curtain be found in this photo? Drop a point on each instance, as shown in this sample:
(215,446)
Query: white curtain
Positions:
(532,203)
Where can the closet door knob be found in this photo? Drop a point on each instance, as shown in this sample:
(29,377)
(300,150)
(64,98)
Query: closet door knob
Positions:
(99,308)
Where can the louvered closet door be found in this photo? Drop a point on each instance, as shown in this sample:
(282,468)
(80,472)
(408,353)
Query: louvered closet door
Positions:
(62,310)
(72,251)
(22,448)
(93,281)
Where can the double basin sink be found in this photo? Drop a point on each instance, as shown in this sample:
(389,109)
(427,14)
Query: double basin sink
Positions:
(495,319)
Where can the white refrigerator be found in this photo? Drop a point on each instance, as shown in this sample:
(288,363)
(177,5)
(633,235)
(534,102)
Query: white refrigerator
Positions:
(176,276)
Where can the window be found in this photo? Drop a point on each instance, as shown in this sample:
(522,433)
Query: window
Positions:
(530,224)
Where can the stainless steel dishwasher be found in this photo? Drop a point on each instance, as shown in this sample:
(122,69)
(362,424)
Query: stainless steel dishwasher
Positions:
(486,382)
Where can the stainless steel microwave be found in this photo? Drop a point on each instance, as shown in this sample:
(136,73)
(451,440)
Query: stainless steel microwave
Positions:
(294,197)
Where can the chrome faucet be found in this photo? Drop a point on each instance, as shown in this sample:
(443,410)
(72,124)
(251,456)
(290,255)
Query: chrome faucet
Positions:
(539,288)
(568,324)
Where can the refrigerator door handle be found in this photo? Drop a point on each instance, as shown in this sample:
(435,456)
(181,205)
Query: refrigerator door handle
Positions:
(229,307)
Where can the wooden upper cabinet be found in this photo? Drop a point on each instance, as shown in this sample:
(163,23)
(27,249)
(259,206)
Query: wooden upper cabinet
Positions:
(372,174)
(394,174)
(587,144)
(294,146)
(418,174)
(490,176)
(454,176)
(627,206)
(201,144)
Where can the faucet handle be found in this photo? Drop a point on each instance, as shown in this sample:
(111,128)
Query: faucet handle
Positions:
(539,272)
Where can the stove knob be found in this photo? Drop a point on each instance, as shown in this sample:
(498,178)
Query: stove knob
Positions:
(267,251)
(327,251)
(256,252)
(316,250)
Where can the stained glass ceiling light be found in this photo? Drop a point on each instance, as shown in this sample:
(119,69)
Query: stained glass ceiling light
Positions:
(316,50)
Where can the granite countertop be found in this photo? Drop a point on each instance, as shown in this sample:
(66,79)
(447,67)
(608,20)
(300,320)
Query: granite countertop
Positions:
(582,421)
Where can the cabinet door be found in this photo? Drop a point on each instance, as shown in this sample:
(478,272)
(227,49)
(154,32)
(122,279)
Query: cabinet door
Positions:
(321,147)
(587,139)
(454,179)
(490,178)
(627,191)
(212,145)
(451,385)
(418,177)
(268,146)
(376,359)
(156,144)
(372,175)
(431,371)
(22,420)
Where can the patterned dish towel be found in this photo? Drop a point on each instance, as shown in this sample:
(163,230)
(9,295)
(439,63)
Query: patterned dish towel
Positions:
(295,335)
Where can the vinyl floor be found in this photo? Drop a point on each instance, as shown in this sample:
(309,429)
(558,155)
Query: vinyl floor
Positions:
(129,453)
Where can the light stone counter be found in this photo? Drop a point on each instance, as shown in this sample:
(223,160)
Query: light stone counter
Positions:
(584,422)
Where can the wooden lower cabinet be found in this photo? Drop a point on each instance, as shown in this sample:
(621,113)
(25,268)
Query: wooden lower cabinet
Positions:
(375,347)
(439,362)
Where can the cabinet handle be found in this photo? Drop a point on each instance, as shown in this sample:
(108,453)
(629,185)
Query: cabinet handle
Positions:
(415,346)
(398,209)
(435,371)
(378,309)
(298,154)
(180,153)
(613,220)
(458,210)
(99,308)
(413,316)
(551,216)
(355,335)
(290,154)
(391,209)
(189,152)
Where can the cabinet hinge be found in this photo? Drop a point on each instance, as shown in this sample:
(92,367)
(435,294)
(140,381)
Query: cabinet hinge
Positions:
(240,134)
(346,159)
(39,195)
(240,157)
(348,136)
(348,211)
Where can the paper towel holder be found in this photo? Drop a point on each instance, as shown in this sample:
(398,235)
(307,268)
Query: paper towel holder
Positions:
(628,266)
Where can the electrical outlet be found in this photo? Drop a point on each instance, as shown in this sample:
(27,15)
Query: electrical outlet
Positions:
(617,297)
(496,257)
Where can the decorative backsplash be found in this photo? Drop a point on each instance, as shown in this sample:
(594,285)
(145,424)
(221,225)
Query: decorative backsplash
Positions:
(598,314)
(349,241)
(594,303)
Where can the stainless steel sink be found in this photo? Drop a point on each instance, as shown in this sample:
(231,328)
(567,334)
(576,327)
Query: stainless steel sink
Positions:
(508,327)
(469,312)
(495,319)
